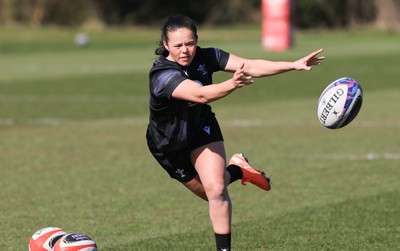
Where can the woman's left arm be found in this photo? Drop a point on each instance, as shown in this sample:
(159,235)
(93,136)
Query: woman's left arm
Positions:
(261,68)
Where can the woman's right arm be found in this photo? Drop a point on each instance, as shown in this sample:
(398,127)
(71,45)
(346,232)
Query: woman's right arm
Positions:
(192,91)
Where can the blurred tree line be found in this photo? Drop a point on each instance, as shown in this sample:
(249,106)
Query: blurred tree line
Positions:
(307,13)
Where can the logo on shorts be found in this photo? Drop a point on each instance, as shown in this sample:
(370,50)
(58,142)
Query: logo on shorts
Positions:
(207,129)
(181,172)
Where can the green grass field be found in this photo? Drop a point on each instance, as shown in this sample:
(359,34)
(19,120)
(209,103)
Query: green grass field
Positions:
(73,151)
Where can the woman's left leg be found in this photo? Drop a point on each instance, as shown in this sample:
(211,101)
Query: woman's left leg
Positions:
(196,187)
(209,161)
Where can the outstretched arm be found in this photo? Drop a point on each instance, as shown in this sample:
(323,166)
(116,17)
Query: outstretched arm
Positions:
(244,71)
(261,68)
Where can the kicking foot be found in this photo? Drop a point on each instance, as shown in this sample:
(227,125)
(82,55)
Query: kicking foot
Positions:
(250,174)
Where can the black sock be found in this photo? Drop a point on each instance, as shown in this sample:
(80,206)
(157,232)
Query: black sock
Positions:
(223,242)
(235,172)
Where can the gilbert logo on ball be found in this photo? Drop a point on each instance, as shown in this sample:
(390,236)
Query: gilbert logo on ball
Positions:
(340,103)
(75,242)
(45,239)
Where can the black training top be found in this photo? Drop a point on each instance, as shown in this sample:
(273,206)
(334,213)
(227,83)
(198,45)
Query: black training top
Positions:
(173,121)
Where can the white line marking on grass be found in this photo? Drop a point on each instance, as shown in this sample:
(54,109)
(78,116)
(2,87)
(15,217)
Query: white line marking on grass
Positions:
(245,123)
(379,123)
(348,156)
(71,98)
(58,122)
(260,123)
(299,122)
(40,121)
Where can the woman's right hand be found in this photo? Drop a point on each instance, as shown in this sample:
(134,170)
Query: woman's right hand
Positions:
(241,79)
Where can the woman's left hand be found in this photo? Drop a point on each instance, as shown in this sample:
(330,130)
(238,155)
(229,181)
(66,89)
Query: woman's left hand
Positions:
(306,63)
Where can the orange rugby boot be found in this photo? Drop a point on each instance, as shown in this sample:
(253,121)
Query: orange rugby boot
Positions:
(250,174)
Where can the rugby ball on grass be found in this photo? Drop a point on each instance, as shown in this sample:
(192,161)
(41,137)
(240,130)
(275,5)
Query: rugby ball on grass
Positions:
(340,103)
(75,242)
(45,239)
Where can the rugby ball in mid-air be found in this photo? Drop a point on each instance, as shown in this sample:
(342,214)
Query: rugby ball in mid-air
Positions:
(340,103)
(45,239)
(75,242)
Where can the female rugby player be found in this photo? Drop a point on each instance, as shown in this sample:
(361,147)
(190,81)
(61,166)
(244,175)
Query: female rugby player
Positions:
(183,134)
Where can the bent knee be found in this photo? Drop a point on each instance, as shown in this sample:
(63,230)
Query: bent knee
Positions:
(216,192)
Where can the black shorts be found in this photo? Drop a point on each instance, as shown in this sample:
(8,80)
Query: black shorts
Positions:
(178,164)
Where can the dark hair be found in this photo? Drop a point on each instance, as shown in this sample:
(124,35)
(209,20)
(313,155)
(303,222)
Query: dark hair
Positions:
(173,23)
